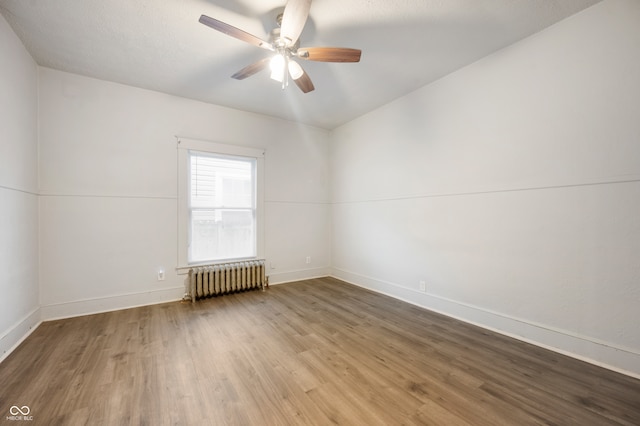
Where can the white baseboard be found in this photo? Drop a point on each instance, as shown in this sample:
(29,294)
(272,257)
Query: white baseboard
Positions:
(110,303)
(603,354)
(297,275)
(10,340)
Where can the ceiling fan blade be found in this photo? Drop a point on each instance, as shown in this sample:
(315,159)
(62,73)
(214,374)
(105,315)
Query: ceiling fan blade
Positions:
(304,83)
(252,69)
(234,32)
(293,19)
(329,54)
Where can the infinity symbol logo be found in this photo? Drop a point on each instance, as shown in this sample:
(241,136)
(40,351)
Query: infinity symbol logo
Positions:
(15,410)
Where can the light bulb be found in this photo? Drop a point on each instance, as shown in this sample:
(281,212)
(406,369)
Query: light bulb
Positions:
(277,67)
(295,70)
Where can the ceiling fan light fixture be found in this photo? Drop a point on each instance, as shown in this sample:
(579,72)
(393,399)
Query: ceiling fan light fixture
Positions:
(277,65)
(295,70)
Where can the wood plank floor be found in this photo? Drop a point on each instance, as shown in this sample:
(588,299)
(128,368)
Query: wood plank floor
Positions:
(315,352)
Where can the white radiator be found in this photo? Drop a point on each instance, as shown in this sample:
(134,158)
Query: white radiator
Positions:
(225,278)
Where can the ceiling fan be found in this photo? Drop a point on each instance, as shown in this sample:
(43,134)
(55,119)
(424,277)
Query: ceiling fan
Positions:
(284,41)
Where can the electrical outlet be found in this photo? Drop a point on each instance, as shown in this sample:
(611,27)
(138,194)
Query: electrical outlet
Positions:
(160,274)
(423,286)
(308,260)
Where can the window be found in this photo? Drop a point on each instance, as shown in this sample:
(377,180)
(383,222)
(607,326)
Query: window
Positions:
(220,214)
(222,207)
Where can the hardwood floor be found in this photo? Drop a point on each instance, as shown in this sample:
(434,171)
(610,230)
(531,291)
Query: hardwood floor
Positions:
(309,353)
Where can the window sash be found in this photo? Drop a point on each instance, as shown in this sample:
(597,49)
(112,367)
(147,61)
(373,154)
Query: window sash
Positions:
(217,170)
(220,240)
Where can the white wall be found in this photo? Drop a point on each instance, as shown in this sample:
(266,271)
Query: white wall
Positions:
(18,191)
(512,188)
(108,186)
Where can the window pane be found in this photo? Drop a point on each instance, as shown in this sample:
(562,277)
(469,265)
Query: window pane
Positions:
(222,234)
(221,182)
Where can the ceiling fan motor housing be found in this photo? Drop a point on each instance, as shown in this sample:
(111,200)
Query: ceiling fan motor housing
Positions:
(280,42)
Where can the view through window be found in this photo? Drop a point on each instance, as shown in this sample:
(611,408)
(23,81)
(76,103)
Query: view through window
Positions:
(222,207)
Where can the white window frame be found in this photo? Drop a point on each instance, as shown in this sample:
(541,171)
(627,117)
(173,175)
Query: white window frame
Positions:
(186,145)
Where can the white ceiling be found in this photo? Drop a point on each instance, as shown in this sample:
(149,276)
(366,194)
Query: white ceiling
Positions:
(160,45)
